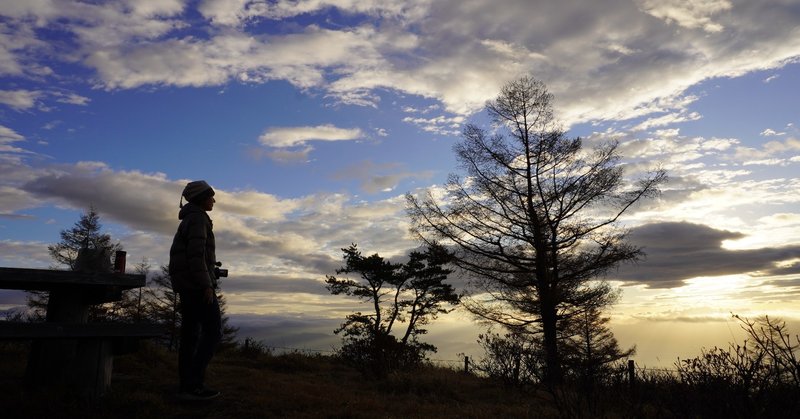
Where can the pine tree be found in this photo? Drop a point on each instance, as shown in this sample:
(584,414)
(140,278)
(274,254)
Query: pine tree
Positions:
(85,236)
(162,306)
(228,331)
(533,221)
(412,294)
(590,348)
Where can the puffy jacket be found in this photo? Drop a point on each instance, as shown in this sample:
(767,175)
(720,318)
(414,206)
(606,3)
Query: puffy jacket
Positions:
(192,255)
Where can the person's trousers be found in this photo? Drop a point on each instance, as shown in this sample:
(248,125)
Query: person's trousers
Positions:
(201,332)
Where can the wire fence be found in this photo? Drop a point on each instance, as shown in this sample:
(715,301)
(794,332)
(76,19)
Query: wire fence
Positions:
(284,349)
(280,350)
(462,364)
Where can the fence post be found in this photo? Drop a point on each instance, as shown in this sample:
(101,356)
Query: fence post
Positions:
(466,364)
(631,373)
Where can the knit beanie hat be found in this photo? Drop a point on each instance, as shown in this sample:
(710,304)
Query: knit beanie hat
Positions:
(197,191)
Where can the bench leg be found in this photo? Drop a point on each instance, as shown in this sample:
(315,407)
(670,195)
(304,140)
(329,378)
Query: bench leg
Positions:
(82,367)
(49,363)
(95,363)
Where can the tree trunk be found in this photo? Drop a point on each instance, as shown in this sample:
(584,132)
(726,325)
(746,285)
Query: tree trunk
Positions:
(553,373)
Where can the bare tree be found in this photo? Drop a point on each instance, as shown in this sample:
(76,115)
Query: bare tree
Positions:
(757,377)
(534,221)
(512,359)
(141,268)
(772,337)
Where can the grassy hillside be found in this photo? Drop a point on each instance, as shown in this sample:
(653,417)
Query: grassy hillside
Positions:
(261,385)
(265,386)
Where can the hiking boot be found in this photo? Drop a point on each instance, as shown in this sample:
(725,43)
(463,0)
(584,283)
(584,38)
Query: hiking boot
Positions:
(199,394)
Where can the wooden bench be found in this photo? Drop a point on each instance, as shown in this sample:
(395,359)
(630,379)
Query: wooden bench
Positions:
(123,336)
(76,357)
(67,351)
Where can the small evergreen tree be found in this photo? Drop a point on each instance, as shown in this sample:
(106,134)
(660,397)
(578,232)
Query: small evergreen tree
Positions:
(228,331)
(85,236)
(162,306)
(590,348)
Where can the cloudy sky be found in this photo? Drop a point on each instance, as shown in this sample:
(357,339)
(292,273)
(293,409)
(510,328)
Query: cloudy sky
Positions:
(312,119)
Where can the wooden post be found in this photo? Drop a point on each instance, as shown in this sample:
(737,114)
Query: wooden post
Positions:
(92,368)
(48,359)
(631,373)
(119,261)
(466,364)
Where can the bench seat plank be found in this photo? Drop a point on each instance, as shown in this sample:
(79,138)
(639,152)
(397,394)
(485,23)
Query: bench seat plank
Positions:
(55,330)
(47,280)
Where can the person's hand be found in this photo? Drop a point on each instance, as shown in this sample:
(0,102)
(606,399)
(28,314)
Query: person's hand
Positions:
(209,295)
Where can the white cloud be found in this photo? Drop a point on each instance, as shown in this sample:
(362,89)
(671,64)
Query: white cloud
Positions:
(667,147)
(716,182)
(767,150)
(13,199)
(19,99)
(156,8)
(689,14)
(427,109)
(780,219)
(301,58)
(457,53)
(175,62)
(376,178)
(295,136)
(256,231)
(8,135)
(719,144)
(27,254)
(667,133)
(226,12)
(52,125)
(284,155)
(71,98)
(27,99)
(665,120)
(769,132)
(442,125)
(765,162)
(239,12)
(9,153)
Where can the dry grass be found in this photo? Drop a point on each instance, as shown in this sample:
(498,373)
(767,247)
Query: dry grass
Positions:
(261,385)
(267,386)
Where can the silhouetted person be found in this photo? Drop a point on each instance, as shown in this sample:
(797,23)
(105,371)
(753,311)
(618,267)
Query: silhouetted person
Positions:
(192,261)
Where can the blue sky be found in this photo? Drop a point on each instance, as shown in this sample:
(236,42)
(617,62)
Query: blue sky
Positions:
(313,118)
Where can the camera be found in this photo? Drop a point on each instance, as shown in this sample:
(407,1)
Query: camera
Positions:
(220,273)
